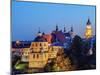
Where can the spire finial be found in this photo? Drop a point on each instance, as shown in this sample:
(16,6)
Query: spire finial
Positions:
(39,33)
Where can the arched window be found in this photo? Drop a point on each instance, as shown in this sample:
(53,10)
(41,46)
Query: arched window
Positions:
(33,45)
(36,44)
(40,44)
(52,49)
(37,55)
(33,55)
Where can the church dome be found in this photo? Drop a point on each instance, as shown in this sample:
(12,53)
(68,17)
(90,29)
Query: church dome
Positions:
(40,39)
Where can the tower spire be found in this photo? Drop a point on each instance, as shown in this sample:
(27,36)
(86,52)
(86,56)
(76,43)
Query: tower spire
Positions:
(56,27)
(39,32)
(88,22)
(71,29)
(64,29)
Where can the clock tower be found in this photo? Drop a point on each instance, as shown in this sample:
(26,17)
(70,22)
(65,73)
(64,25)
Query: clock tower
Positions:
(88,31)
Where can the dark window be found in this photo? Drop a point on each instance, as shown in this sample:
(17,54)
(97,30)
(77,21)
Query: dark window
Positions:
(37,55)
(33,55)
(40,44)
(36,44)
(32,44)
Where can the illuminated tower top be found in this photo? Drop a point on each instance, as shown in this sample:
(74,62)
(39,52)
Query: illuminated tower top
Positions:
(88,31)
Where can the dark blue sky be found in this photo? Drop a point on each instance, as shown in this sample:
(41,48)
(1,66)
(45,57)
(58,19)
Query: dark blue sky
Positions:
(27,17)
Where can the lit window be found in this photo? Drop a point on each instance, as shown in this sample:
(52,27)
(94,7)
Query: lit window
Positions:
(44,44)
(31,50)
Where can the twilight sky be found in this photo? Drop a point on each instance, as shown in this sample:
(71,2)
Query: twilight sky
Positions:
(27,17)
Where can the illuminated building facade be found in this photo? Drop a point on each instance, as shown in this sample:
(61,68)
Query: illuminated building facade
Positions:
(38,56)
(25,55)
(53,50)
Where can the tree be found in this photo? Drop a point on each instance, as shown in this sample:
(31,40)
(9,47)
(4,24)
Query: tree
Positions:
(60,63)
(76,50)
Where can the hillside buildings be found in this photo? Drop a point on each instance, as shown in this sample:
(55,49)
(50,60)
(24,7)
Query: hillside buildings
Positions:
(45,47)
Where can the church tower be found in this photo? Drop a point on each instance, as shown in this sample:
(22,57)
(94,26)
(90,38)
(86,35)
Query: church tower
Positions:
(88,32)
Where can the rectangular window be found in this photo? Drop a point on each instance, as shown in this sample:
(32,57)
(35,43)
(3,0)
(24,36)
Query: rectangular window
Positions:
(33,45)
(37,55)
(33,55)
